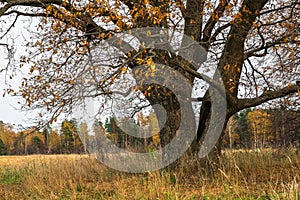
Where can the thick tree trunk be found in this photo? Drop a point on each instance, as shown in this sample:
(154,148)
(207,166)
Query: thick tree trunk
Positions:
(177,125)
(169,128)
(169,123)
(208,159)
(206,148)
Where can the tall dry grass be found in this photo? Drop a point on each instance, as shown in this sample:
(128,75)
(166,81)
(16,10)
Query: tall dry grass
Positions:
(268,174)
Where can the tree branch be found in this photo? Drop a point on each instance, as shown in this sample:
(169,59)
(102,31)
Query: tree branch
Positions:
(267,96)
(209,27)
(267,46)
(233,53)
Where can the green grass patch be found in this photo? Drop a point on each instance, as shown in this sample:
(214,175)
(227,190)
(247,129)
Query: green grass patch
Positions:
(10,176)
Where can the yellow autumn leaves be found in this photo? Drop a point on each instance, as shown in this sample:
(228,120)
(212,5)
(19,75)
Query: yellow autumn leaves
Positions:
(148,61)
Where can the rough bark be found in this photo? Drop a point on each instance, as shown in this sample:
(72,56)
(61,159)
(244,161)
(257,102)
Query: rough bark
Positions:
(174,122)
(234,48)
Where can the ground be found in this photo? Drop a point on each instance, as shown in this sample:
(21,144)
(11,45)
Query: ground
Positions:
(266,174)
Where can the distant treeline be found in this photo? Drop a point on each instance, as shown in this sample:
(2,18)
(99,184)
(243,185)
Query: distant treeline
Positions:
(251,128)
(47,141)
(262,128)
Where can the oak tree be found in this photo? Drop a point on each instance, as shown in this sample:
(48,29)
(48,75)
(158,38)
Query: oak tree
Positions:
(253,44)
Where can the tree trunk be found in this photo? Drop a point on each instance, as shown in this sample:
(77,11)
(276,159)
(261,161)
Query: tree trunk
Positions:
(206,160)
(204,142)
(206,148)
(176,122)
(169,128)
(168,121)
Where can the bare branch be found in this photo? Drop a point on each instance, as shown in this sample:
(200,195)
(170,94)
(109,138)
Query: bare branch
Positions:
(268,45)
(209,27)
(267,96)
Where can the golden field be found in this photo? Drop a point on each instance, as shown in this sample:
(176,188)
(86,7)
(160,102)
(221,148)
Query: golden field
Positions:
(267,174)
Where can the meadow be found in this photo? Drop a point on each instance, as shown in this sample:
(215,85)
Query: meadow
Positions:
(266,174)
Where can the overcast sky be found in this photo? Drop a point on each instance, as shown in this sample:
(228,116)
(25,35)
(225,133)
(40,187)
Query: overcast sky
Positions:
(9,112)
(9,107)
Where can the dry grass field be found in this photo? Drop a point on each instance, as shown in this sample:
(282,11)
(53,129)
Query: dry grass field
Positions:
(269,174)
